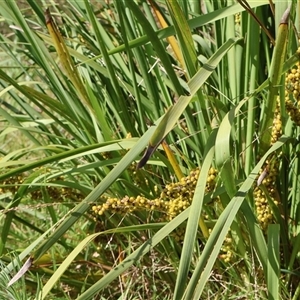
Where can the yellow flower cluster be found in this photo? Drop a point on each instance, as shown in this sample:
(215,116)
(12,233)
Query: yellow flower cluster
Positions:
(174,198)
(292,94)
(277,124)
(227,253)
(11,184)
(263,210)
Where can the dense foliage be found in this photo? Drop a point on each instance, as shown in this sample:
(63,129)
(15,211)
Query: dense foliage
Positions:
(210,89)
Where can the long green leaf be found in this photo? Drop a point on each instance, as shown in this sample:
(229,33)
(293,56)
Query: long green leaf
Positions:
(193,221)
(273,261)
(173,114)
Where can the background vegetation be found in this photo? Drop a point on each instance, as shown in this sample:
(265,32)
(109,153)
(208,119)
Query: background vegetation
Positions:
(211,89)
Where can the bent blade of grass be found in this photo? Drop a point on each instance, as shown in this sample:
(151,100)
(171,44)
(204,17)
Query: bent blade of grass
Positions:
(220,230)
(173,114)
(193,220)
(81,208)
(273,262)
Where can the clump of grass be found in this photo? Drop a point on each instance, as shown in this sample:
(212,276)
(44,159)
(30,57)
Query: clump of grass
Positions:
(84,100)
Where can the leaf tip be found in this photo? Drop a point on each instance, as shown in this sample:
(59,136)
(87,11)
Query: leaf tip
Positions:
(48,16)
(22,271)
(149,151)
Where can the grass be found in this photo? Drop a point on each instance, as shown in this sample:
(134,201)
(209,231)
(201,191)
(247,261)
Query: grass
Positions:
(87,88)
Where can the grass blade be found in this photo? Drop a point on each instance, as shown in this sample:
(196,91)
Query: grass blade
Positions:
(193,222)
(273,261)
(173,114)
